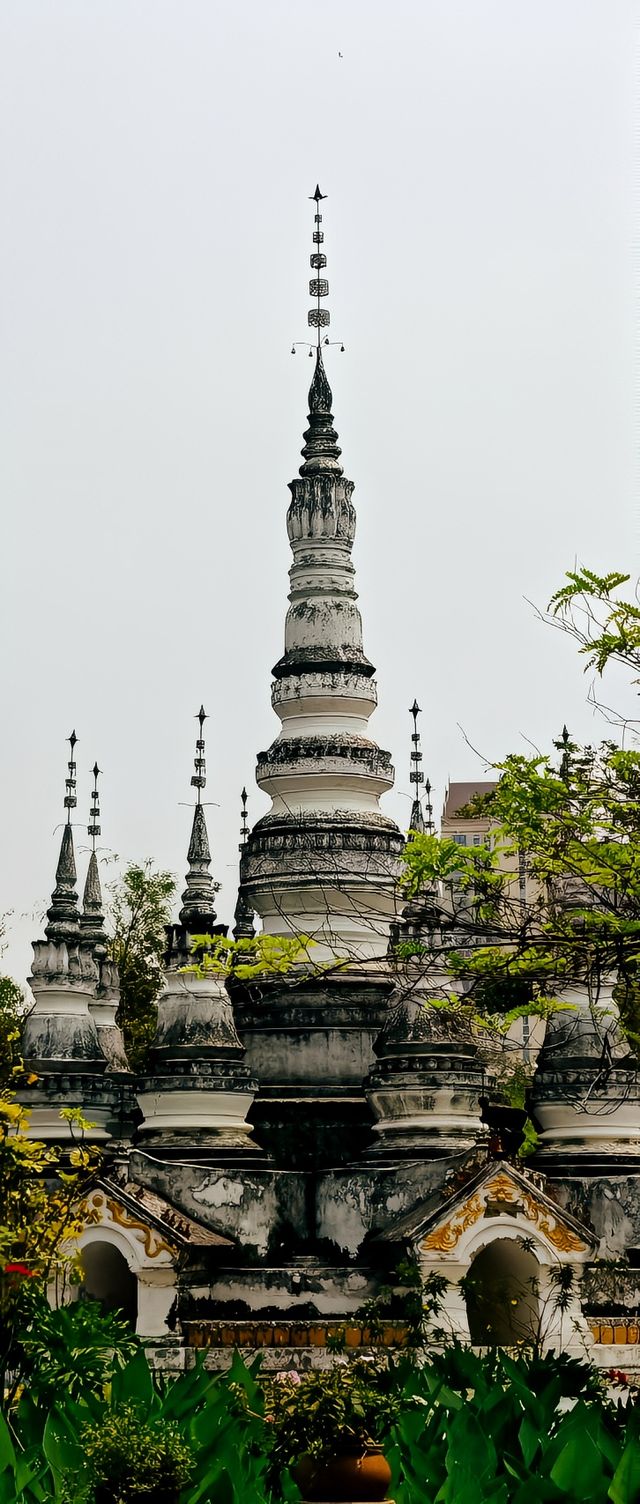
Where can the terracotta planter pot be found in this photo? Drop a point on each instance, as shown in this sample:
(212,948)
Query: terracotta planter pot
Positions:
(359,1477)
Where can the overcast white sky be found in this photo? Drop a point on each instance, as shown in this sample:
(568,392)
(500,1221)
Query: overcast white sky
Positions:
(156,158)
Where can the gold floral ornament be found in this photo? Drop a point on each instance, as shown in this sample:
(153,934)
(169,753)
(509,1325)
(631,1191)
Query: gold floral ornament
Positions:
(503,1193)
(443,1239)
(562,1237)
(98,1203)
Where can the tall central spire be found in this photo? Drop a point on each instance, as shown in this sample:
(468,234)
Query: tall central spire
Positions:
(322,861)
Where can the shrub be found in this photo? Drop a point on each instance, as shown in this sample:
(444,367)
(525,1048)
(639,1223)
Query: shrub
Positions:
(133,1457)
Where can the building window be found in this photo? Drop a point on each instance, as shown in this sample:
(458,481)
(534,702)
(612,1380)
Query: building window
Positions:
(459,838)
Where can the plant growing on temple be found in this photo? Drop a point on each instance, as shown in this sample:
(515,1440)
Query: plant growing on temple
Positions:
(139,909)
(406,1299)
(41,1189)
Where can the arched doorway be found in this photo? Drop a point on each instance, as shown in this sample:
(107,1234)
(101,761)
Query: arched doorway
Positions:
(502,1295)
(108,1278)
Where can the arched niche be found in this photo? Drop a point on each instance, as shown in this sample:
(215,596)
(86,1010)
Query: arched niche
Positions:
(502,1294)
(106,1277)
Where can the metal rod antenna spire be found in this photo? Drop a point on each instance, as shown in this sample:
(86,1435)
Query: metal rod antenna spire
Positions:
(244,828)
(429,823)
(93,828)
(199,778)
(70,800)
(416,775)
(319,318)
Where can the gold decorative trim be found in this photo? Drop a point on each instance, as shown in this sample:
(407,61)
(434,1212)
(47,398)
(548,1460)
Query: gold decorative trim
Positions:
(443,1239)
(154,1244)
(503,1190)
(562,1237)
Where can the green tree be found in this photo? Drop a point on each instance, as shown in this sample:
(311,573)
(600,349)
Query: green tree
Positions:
(41,1190)
(572,820)
(140,907)
(605,625)
(12,1010)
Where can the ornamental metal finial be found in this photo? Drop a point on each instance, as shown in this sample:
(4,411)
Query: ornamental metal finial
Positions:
(92,917)
(199,778)
(321,452)
(429,823)
(318,317)
(62,916)
(416,774)
(197,912)
(94,828)
(244,828)
(421,821)
(243,926)
(70,800)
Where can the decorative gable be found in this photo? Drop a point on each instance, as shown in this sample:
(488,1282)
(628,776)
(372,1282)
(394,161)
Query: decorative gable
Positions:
(500,1201)
(109,1210)
(149,1231)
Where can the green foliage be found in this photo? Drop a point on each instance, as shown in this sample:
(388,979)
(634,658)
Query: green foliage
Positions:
(132,1457)
(246,960)
(605,626)
(12,1011)
(572,824)
(497,1427)
(139,909)
(77,1348)
(202,1431)
(576,817)
(457,1430)
(410,1299)
(530,1140)
(40,1217)
(315,1413)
